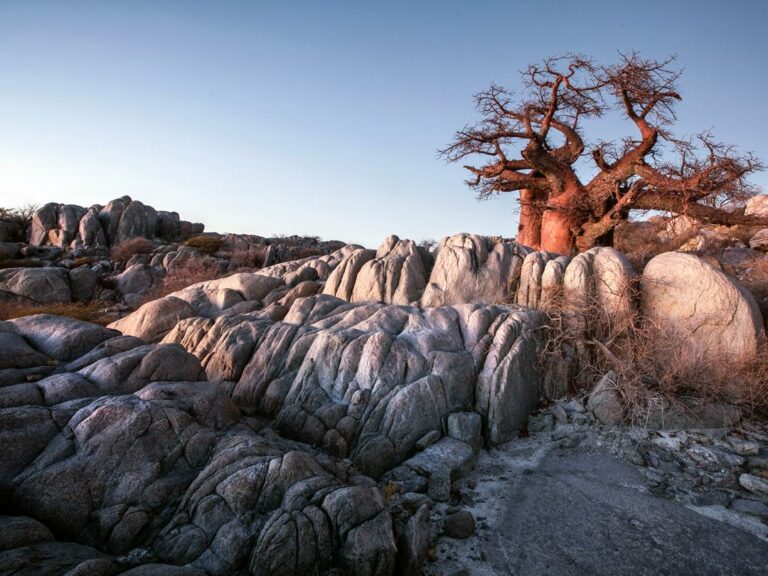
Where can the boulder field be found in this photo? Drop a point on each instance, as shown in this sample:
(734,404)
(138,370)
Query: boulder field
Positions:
(259,424)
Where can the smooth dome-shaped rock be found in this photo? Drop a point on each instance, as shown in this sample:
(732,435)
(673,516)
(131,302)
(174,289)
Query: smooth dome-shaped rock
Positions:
(154,319)
(61,337)
(35,285)
(707,318)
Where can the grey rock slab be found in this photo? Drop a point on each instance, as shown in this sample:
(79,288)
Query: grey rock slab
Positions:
(18,531)
(51,559)
(40,285)
(467,427)
(459,525)
(754,484)
(574,513)
(61,337)
(154,319)
(16,353)
(83,283)
(414,543)
(447,454)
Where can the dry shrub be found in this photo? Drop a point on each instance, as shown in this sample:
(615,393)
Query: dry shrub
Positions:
(19,263)
(83,260)
(192,272)
(204,244)
(305,252)
(755,278)
(389,491)
(94,311)
(126,250)
(246,257)
(640,241)
(652,369)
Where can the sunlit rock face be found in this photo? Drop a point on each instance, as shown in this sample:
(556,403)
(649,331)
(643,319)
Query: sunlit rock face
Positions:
(710,317)
(471,268)
(369,380)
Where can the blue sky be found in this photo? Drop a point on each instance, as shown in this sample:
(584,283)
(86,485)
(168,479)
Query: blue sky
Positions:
(324,117)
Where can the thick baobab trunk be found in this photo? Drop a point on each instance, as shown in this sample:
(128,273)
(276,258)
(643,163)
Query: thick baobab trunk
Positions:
(557,232)
(529,230)
(561,221)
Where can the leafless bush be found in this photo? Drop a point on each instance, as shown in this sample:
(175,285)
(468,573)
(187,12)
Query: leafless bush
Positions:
(125,250)
(585,340)
(21,215)
(640,241)
(206,244)
(244,258)
(428,244)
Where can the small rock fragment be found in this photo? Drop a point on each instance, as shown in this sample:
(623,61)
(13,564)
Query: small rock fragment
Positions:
(604,401)
(754,484)
(459,525)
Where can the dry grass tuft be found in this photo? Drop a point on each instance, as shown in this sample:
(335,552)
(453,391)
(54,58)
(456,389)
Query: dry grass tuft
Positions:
(584,342)
(126,250)
(640,241)
(19,263)
(94,311)
(389,490)
(83,260)
(205,244)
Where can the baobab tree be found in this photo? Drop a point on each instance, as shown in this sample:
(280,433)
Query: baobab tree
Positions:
(535,144)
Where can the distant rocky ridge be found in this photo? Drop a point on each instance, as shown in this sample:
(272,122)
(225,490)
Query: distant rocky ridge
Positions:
(70,254)
(71,226)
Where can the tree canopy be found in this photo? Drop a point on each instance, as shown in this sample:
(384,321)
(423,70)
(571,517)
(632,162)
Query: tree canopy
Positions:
(533,143)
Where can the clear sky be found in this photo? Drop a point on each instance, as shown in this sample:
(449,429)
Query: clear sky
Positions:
(324,117)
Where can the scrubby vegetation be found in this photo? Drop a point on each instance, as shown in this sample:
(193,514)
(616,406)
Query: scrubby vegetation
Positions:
(21,215)
(206,244)
(19,263)
(94,311)
(651,372)
(126,250)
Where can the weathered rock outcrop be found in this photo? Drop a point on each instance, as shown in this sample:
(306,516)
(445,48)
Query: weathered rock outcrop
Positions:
(602,278)
(249,434)
(599,280)
(397,275)
(154,319)
(706,317)
(470,268)
(125,448)
(531,290)
(369,380)
(70,226)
